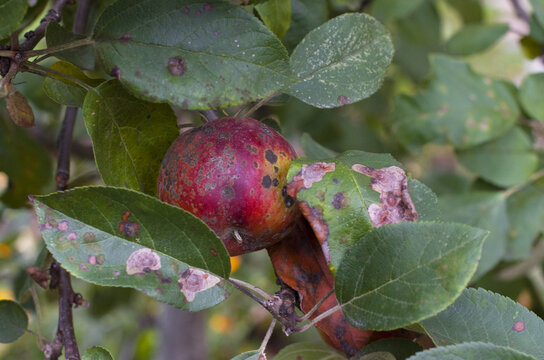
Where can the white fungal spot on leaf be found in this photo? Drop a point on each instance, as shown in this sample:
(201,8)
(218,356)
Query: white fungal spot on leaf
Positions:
(143,261)
(193,281)
(395,202)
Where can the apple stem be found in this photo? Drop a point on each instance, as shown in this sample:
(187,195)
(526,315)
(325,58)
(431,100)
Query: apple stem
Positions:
(267,336)
(238,237)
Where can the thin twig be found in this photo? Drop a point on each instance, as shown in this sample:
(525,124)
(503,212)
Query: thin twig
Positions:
(38,312)
(259,104)
(520,11)
(536,276)
(267,336)
(254,288)
(314,309)
(64,145)
(54,14)
(514,189)
(520,269)
(209,115)
(318,319)
(246,291)
(26,65)
(59,48)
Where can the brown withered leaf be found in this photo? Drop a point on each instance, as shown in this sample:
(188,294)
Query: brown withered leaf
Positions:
(19,110)
(299,262)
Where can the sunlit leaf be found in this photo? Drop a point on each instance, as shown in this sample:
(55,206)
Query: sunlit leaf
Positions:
(130,136)
(531,88)
(472,351)
(276,15)
(97,353)
(308,351)
(341,61)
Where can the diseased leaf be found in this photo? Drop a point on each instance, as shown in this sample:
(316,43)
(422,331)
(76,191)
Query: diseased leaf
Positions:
(81,56)
(97,353)
(130,136)
(191,53)
(118,237)
(19,110)
(308,351)
(342,61)
(12,13)
(526,218)
(21,158)
(13,321)
(425,201)
(472,351)
(276,15)
(505,161)
(529,96)
(66,92)
(402,273)
(480,315)
(458,107)
(474,38)
(306,15)
(483,209)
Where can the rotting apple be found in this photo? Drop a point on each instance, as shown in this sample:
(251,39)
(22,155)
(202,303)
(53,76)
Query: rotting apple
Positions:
(231,173)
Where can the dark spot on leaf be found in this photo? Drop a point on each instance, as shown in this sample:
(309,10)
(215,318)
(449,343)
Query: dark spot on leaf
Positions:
(208,7)
(213,252)
(227,192)
(270,156)
(216,33)
(343,100)
(335,180)
(176,66)
(83,267)
(519,326)
(266,182)
(148,117)
(186,10)
(126,37)
(198,13)
(126,227)
(340,201)
(89,237)
(116,72)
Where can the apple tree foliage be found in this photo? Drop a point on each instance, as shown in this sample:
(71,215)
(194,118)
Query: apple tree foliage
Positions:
(377,76)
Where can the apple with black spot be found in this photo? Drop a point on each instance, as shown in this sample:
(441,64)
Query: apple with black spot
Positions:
(231,173)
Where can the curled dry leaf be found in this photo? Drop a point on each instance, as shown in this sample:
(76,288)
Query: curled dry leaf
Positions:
(193,281)
(395,202)
(299,262)
(19,110)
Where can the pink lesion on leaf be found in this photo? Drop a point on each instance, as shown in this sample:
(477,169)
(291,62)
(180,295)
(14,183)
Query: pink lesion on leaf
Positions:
(143,261)
(519,326)
(308,175)
(395,202)
(193,281)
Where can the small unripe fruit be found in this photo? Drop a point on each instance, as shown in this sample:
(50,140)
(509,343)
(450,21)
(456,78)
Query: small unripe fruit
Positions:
(231,173)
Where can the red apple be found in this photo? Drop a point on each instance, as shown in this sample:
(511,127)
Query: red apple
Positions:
(231,174)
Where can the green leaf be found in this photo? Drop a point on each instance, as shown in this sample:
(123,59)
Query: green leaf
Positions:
(191,53)
(387,10)
(13,321)
(531,88)
(480,315)
(474,38)
(308,351)
(526,217)
(425,201)
(12,13)
(115,237)
(486,210)
(63,91)
(97,353)
(276,15)
(505,161)
(82,56)
(342,61)
(21,158)
(400,348)
(313,150)
(373,160)
(379,355)
(306,15)
(470,10)
(130,136)
(416,36)
(248,355)
(538,10)
(458,107)
(402,273)
(472,351)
